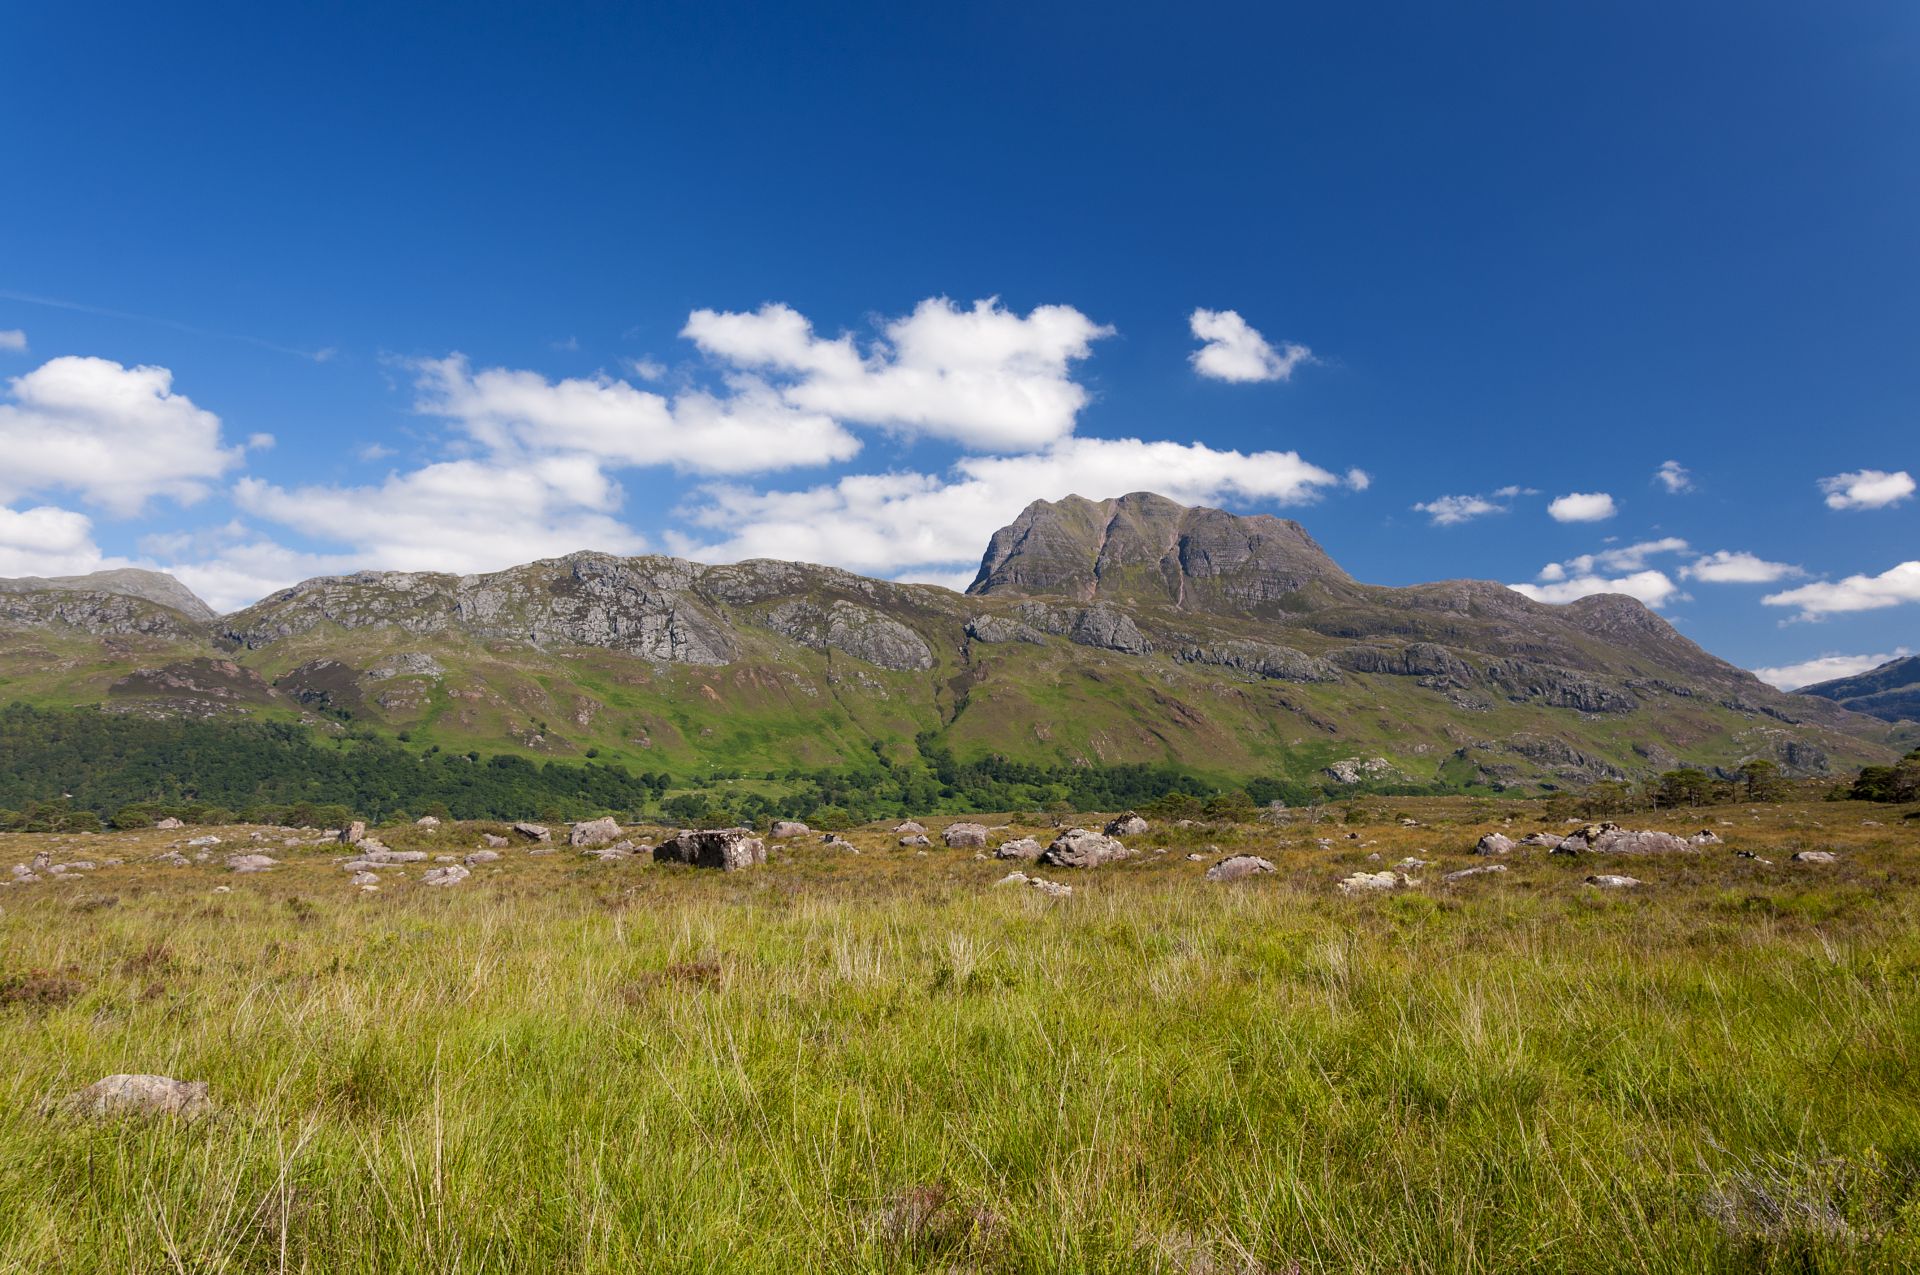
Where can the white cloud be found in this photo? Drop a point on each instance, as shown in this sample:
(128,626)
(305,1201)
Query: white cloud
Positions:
(1625,557)
(47,541)
(1654,588)
(647,369)
(1724,566)
(261,442)
(931,527)
(751,430)
(1867,489)
(1508,493)
(1359,479)
(1890,588)
(119,436)
(1824,668)
(1582,507)
(1674,476)
(985,378)
(374,451)
(13,340)
(1450,511)
(1235,351)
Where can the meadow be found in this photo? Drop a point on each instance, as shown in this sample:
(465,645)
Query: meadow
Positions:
(885,1062)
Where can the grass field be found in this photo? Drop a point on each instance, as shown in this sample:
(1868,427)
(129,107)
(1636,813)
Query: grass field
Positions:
(882,1062)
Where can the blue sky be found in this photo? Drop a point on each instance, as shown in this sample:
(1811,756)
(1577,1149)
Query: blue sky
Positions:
(286,293)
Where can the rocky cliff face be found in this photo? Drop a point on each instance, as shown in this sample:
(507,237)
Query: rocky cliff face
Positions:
(126,582)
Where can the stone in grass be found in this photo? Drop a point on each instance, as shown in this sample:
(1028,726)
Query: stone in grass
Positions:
(1018,848)
(1052,889)
(169,824)
(729,849)
(208,840)
(427,822)
(594,832)
(363,878)
(1607,881)
(1815,856)
(910,828)
(1239,868)
(915,839)
(1127,825)
(1082,848)
(452,874)
(965,836)
(138,1095)
(250,862)
(492,842)
(784,829)
(353,833)
(534,831)
(1375,882)
(1494,843)
(1481,871)
(482,856)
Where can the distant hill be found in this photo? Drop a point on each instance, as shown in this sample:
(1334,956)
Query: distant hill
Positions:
(1890,692)
(126,582)
(1098,633)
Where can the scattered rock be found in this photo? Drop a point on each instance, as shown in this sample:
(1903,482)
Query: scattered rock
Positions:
(1375,882)
(534,831)
(492,842)
(1609,882)
(915,839)
(1019,848)
(250,862)
(426,821)
(910,828)
(1082,848)
(1609,838)
(452,874)
(594,832)
(1550,840)
(1127,825)
(1705,837)
(786,828)
(1815,856)
(169,824)
(729,849)
(363,878)
(965,836)
(838,843)
(174,859)
(353,833)
(482,856)
(1238,868)
(1480,871)
(1494,843)
(1052,889)
(204,841)
(618,850)
(135,1095)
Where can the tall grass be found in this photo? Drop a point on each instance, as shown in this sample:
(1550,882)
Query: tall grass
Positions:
(883,1063)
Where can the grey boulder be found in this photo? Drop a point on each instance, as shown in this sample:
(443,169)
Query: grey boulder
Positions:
(728,849)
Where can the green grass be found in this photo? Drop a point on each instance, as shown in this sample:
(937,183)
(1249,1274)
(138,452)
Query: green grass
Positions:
(883,1063)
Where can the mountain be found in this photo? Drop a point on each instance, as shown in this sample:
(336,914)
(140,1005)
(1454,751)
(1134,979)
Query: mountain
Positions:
(1096,632)
(1890,692)
(126,582)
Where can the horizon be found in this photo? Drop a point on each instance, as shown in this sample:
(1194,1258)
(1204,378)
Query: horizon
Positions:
(1532,297)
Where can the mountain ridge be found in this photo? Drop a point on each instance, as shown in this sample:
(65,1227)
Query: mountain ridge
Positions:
(1890,691)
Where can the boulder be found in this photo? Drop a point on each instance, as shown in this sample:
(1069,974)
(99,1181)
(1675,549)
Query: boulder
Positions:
(352,833)
(1480,871)
(729,849)
(1052,889)
(426,821)
(492,842)
(534,831)
(204,841)
(174,859)
(843,845)
(482,856)
(169,824)
(1610,839)
(1494,843)
(1082,848)
(618,850)
(363,878)
(1815,856)
(135,1095)
(1374,882)
(965,836)
(1127,825)
(1705,837)
(915,840)
(910,828)
(452,874)
(250,862)
(1609,882)
(1019,848)
(787,828)
(381,855)
(1548,839)
(1238,868)
(595,832)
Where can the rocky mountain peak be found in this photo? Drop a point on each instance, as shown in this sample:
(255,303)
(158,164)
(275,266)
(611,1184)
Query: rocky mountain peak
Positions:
(125,582)
(1143,547)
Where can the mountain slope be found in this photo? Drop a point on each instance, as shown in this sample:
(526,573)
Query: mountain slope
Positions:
(1126,630)
(1890,692)
(128,582)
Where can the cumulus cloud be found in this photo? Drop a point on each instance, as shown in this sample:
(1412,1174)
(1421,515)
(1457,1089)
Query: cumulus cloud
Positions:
(13,340)
(1582,507)
(47,541)
(1449,511)
(933,527)
(749,430)
(985,378)
(1825,668)
(1674,476)
(1867,489)
(118,436)
(1724,566)
(1233,350)
(1621,569)
(1892,587)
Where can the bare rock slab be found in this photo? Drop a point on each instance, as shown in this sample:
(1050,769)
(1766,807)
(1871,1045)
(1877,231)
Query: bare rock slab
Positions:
(141,1095)
(728,849)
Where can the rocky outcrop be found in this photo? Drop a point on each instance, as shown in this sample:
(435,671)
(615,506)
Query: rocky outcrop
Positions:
(995,629)
(1609,838)
(1082,848)
(155,587)
(102,614)
(965,836)
(1239,867)
(1281,663)
(594,832)
(852,630)
(728,849)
